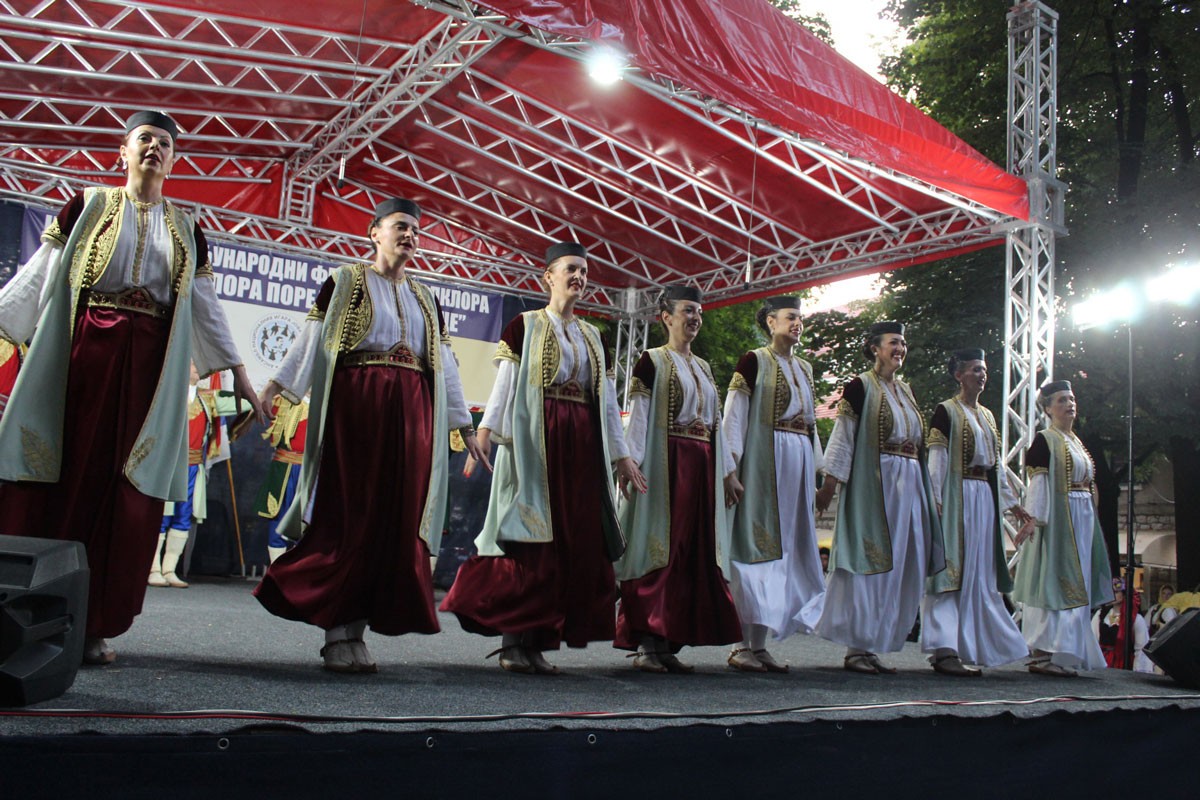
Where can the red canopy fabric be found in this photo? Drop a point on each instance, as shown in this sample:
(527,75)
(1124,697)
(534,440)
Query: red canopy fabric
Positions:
(750,55)
(816,171)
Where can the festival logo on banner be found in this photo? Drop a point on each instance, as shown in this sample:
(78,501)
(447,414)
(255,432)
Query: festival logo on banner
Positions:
(273,337)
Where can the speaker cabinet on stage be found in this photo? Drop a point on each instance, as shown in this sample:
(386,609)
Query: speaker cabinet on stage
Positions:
(43,616)
(1176,648)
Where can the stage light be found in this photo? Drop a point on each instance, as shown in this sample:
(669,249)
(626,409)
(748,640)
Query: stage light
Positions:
(1120,304)
(605,66)
(1179,285)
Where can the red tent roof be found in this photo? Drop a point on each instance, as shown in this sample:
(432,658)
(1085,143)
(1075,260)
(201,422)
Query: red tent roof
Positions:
(736,140)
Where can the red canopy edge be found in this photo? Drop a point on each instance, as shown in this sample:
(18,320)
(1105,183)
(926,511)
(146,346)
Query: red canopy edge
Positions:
(748,54)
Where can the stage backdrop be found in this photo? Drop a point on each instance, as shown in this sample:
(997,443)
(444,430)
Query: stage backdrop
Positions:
(267,295)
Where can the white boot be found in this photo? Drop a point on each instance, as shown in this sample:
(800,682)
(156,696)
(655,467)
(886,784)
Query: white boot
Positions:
(275,552)
(156,576)
(176,541)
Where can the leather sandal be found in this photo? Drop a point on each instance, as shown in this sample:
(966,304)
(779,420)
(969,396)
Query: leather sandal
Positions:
(98,652)
(880,667)
(648,662)
(513,659)
(339,657)
(861,663)
(768,661)
(362,657)
(742,658)
(953,665)
(1044,666)
(539,663)
(674,665)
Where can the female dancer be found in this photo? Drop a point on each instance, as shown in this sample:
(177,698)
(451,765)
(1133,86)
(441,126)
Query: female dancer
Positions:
(778,582)
(673,592)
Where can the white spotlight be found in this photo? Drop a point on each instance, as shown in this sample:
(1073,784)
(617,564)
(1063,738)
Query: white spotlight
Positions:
(1178,285)
(605,66)
(1119,304)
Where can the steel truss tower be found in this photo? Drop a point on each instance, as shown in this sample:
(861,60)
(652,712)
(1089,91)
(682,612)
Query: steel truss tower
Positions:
(1029,264)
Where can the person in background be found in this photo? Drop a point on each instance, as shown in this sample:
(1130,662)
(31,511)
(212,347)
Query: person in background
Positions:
(206,407)
(287,433)
(1108,625)
(1161,613)
(10,363)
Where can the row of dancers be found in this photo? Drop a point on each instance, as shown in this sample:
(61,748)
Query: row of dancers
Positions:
(692,525)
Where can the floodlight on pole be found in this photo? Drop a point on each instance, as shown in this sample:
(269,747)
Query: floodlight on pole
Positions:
(1124,304)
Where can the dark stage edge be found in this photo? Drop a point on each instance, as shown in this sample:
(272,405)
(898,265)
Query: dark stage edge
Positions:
(442,721)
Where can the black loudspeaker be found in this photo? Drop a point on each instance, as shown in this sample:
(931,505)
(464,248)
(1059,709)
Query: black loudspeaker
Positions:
(1176,648)
(43,617)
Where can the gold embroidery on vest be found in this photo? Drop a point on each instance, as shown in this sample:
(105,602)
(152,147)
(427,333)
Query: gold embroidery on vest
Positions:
(637,386)
(738,384)
(551,354)
(534,522)
(54,234)
(38,454)
(101,226)
(505,353)
(139,454)
(658,552)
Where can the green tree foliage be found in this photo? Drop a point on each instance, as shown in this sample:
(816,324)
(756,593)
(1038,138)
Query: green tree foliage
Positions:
(815,23)
(1129,73)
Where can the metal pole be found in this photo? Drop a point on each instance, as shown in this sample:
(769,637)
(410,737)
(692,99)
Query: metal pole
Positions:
(1127,611)
(237,525)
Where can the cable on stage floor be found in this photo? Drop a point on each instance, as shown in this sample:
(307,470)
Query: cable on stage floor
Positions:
(334,719)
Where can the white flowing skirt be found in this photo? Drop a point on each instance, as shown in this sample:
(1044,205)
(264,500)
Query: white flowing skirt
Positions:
(1067,634)
(786,595)
(973,621)
(876,612)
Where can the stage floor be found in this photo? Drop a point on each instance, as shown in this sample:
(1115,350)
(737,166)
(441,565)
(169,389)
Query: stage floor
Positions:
(209,659)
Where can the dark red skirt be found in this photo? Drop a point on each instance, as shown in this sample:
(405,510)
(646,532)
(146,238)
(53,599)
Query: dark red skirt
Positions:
(115,363)
(559,591)
(686,602)
(361,557)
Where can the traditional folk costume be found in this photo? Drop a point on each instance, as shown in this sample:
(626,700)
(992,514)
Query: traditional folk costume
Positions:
(287,433)
(887,538)
(205,409)
(543,571)
(385,391)
(964,610)
(119,299)
(1063,573)
(1109,629)
(10,363)
(770,426)
(673,584)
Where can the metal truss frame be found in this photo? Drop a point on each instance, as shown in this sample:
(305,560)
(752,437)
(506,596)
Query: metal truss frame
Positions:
(1029,316)
(368,85)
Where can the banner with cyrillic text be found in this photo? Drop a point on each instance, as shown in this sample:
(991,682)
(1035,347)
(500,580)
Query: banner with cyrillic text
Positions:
(267,295)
